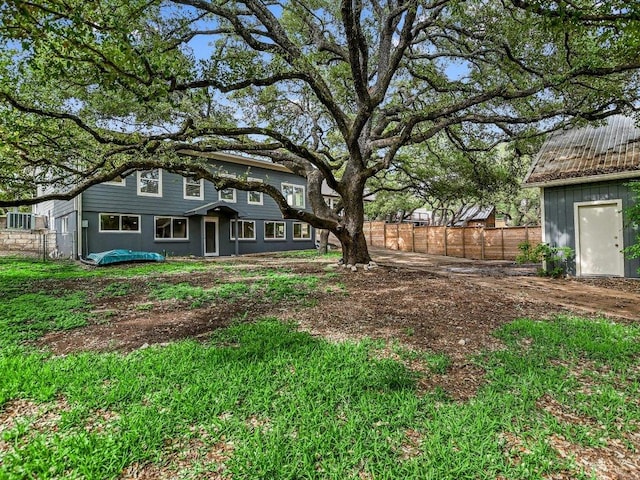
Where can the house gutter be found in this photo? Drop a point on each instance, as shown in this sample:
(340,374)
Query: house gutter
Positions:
(79,231)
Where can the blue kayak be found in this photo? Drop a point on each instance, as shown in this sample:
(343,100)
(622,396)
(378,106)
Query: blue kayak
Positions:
(122,256)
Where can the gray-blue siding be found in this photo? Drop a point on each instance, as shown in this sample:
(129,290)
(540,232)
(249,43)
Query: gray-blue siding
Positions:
(559,221)
(109,198)
(145,239)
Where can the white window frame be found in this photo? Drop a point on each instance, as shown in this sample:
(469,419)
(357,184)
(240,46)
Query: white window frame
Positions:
(330,201)
(120,230)
(235,195)
(275,239)
(242,222)
(146,194)
(259,202)
(114,182)
(170,239)
(294,231)
(304,194)
(184,189)
(64,224)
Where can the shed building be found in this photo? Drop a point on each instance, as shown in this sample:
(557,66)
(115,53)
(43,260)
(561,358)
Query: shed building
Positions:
(583,176)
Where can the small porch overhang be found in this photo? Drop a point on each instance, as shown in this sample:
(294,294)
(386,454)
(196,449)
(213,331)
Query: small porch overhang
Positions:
(225,209)
(216,207)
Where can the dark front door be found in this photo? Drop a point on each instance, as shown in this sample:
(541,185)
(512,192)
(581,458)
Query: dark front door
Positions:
(210,237)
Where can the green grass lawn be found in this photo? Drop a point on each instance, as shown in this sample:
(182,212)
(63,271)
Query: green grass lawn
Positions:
(263,400)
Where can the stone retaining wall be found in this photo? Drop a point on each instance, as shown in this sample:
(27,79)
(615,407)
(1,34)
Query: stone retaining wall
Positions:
(16,242)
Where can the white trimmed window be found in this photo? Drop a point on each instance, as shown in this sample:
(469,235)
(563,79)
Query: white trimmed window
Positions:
(246,230)
(150,182)
(294,194)
(228,194)
(275,231)
(119,181)
(171,228)
(254,198)
(117,222)
(301,231)
(193,188)
(64,224)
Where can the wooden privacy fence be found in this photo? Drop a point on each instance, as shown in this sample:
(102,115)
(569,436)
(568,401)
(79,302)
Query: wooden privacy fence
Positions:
(465,242)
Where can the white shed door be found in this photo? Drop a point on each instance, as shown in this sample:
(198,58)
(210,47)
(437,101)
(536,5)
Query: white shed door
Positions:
(599,238)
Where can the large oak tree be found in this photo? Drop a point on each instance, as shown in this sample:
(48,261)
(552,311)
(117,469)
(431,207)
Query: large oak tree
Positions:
(91,89)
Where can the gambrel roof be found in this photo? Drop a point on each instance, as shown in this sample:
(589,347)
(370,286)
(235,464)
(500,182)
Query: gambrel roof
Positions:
(588,154)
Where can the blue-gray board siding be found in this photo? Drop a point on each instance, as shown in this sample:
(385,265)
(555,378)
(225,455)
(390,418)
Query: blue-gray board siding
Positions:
(145,241)
(259,245)
(118,199)
(63,207)
(124,199)
(559,215)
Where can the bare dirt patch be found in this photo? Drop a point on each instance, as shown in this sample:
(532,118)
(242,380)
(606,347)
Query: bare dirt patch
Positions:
(434,304)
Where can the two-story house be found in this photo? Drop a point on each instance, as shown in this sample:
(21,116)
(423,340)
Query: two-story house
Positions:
(158,211)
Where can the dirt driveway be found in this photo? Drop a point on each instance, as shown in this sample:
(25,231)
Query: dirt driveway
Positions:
(611,297)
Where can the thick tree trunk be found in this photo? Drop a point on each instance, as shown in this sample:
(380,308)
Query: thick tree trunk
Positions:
(351,232)
(324,242)
(354,247)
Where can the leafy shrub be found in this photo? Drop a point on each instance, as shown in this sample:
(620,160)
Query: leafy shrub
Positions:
(555,260)
(526,254)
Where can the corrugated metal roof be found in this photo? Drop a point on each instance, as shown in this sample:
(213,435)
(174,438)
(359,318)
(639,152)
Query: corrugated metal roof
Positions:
(605,150)
(474,213)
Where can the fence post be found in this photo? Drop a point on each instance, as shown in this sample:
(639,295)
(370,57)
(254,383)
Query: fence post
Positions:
(427,231)
(464,250)
(482,243)
(445,242)
(371,233)
(384,235)
(502,241)
(413,238)
(398,236)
